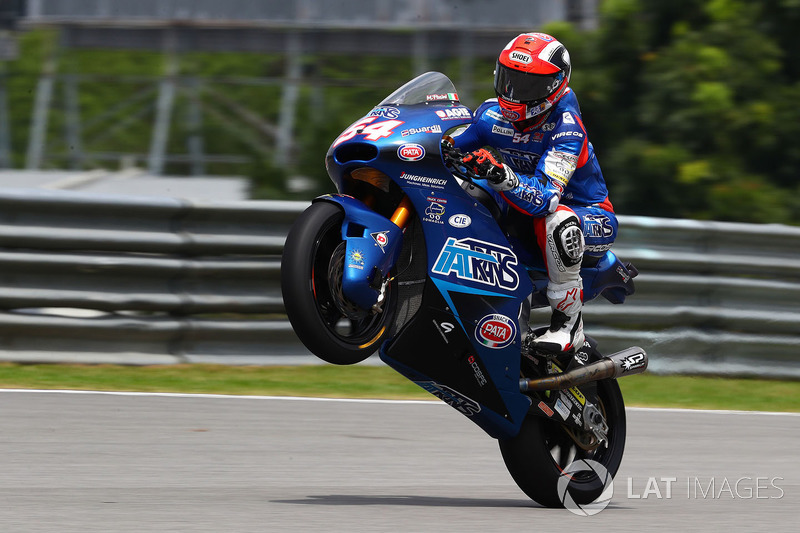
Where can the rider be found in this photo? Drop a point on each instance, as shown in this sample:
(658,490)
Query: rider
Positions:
(540,161)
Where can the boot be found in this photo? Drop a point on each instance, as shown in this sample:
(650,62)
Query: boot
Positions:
(566,325)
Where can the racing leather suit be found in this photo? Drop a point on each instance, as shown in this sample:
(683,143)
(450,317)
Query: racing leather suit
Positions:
(560,185)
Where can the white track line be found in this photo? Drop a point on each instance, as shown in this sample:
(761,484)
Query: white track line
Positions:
(227,396)
(714,411)
(357,400)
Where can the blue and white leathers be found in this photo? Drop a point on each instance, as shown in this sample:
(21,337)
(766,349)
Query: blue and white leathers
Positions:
(558,181)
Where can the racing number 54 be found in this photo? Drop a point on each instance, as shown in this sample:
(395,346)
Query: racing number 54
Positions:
(371,132)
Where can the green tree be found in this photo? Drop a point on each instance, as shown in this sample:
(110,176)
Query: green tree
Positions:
(701,103)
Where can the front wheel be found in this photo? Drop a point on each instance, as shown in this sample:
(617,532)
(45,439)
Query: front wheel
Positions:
(538,456)
(329,325)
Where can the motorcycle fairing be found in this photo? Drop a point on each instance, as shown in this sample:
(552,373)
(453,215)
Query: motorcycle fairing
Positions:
(372,242)
(475,283)
(434,351)
(472,270)
(608,277)
(407,145)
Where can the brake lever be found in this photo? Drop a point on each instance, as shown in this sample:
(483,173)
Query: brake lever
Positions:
(453,159)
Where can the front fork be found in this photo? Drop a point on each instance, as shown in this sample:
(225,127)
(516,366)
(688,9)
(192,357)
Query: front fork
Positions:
(402,214)
(372,247)
(400,218)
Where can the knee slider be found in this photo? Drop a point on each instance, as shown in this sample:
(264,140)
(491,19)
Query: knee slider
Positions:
(568,238)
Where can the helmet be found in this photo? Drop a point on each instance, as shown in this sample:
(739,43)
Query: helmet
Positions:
(531,75)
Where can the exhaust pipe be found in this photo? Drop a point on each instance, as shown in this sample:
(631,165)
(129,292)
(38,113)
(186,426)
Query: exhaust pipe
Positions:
(630,361)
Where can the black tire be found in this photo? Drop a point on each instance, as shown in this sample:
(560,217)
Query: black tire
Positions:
(332,328)
(537,456)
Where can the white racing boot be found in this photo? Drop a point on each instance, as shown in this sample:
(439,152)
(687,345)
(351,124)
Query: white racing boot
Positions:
(566,325)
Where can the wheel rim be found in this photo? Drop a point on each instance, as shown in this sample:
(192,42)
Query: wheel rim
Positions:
(346,322)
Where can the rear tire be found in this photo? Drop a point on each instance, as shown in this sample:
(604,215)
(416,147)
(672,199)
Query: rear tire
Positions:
(541,451)
(331,327)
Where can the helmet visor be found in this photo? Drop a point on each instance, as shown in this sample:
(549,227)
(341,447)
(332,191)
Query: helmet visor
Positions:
(521,87)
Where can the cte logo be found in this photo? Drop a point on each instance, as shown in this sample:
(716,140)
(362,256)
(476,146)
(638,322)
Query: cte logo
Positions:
(478,261)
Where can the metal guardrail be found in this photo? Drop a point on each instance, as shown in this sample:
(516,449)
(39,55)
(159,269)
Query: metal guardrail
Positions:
(141,280)
(712,297)
(91,278)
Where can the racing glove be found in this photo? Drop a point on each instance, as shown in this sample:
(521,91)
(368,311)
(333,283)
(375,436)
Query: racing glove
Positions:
(484,164)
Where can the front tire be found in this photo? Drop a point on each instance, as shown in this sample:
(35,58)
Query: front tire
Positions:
(331,327)
(537,456)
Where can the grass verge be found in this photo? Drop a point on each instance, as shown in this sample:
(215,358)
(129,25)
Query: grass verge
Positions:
(361,381)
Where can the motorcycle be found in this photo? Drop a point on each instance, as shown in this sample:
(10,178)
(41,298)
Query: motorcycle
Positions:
(409,258)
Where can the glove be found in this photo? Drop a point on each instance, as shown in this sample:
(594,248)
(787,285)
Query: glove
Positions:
(483,163)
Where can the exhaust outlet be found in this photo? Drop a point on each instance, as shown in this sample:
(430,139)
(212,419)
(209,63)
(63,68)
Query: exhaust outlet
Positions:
(629,361)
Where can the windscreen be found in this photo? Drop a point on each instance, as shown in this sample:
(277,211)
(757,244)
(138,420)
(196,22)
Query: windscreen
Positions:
(431,87)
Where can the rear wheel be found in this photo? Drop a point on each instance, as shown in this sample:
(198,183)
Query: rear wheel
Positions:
(538,456)
(329,325)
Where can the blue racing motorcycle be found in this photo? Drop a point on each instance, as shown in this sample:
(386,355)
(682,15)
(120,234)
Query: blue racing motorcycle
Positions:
(413,258)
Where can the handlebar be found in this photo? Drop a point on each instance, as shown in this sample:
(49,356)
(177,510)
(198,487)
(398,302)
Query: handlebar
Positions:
(453,160)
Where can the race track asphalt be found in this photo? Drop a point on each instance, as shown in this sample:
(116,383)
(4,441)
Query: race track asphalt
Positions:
(85,462)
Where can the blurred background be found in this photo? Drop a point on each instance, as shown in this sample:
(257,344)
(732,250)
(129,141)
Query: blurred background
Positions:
(691,105)
(147,149)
